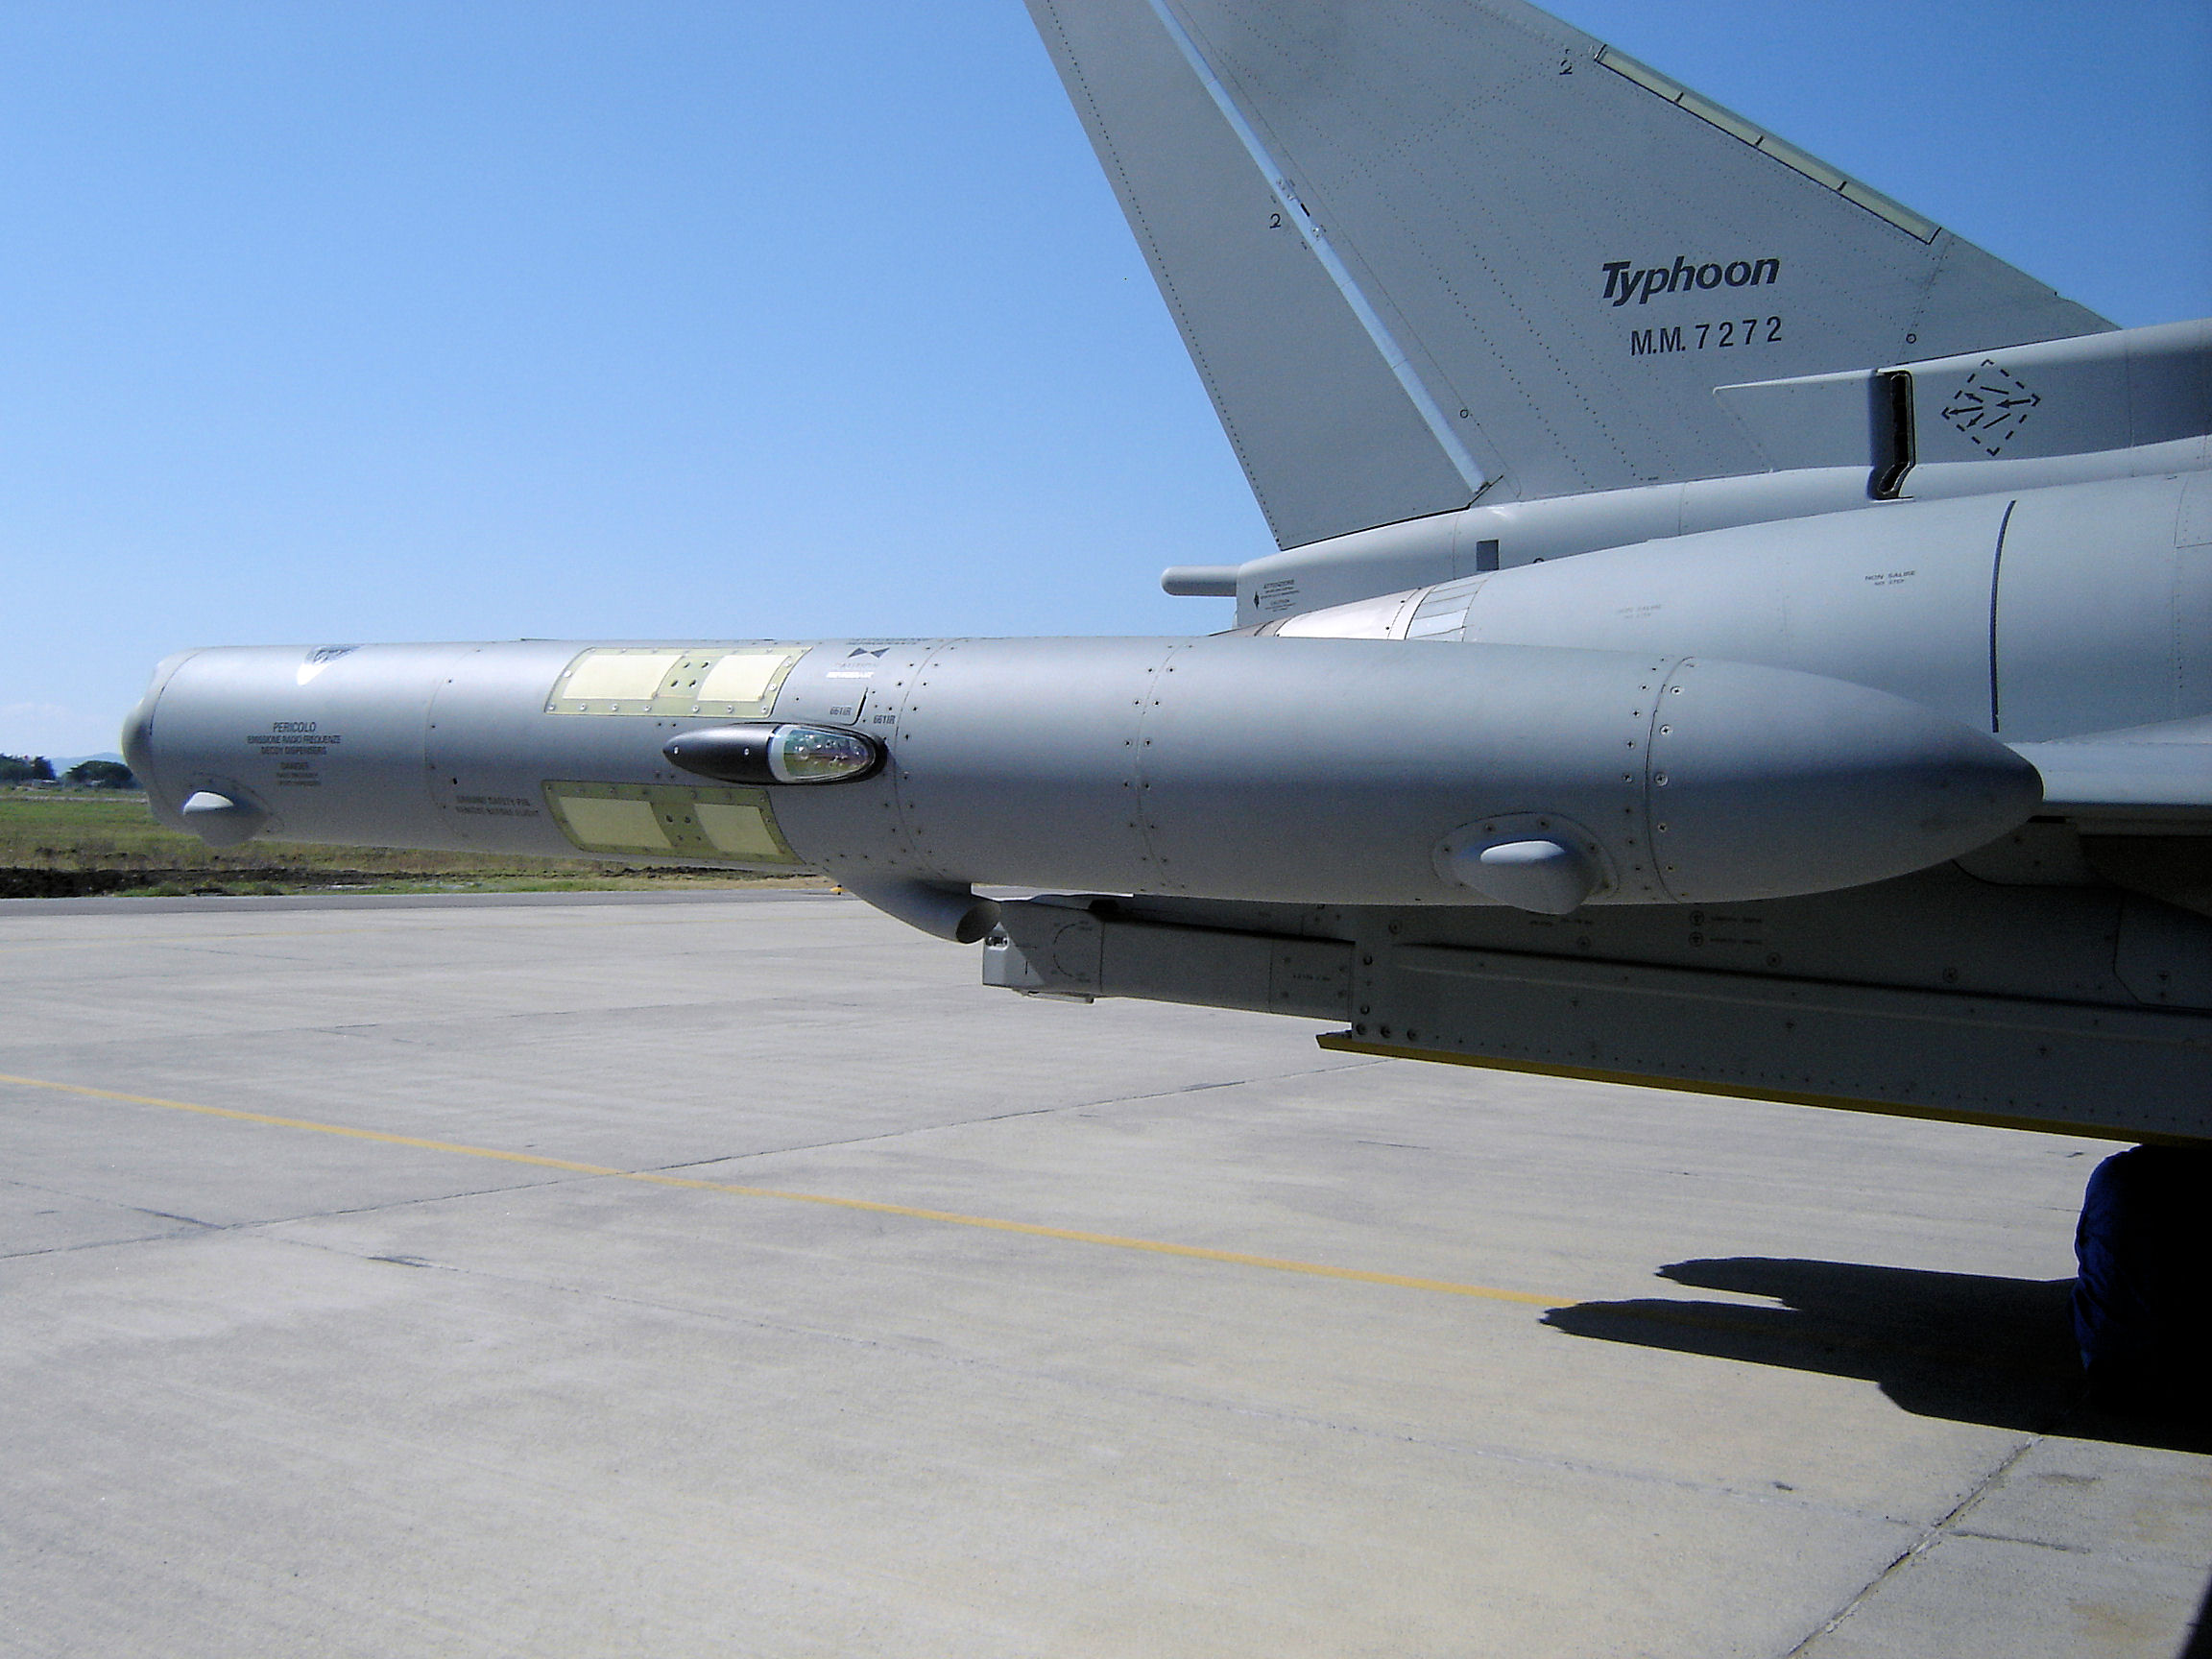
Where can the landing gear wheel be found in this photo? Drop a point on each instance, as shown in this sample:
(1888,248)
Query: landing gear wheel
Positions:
(2142,1299)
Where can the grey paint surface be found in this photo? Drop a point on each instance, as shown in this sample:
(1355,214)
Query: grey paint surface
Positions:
(2043,613)
(1450,184)
(1266,328)
(2126,404)
(2014,986)
(275,1391)
(1277,770)
(2065,396)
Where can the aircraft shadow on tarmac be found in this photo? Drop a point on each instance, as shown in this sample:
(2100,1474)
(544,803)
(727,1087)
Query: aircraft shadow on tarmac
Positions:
(1962,1346)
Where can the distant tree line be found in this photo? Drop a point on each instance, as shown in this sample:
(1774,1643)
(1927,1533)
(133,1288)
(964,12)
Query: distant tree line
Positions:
(100,775)
(84,774)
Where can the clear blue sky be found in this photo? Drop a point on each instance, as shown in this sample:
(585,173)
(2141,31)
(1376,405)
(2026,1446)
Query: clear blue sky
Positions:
(345,320)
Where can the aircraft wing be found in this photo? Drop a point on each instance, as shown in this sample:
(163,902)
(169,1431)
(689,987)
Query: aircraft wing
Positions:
(2148,779)
(1423,250)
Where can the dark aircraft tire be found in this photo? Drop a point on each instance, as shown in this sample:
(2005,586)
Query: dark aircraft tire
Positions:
(2142,1297)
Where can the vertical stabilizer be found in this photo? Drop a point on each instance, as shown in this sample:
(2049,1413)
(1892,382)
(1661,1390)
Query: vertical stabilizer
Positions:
(1425,249)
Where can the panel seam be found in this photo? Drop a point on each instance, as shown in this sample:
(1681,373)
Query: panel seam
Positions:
(1932,1534)
(1996,573)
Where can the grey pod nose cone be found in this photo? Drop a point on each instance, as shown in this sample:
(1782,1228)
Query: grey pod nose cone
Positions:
(137,739)
(1767,782)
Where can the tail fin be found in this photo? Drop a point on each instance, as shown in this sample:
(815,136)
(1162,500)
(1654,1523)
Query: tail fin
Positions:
(1425,250)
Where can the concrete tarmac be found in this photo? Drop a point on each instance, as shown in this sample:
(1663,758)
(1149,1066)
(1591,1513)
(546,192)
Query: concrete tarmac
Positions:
(732,1275)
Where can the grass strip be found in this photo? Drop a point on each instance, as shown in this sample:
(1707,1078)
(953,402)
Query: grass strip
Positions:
(60,843)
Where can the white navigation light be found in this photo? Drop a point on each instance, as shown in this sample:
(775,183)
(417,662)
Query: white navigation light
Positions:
(776,754)
(816,754)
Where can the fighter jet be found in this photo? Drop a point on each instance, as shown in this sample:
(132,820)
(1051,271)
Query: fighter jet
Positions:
(1729,633)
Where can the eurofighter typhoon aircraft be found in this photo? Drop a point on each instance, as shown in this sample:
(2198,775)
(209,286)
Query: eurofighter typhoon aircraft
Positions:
(1729,633)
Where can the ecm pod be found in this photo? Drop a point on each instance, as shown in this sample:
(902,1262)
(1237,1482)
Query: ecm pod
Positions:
(1301,771)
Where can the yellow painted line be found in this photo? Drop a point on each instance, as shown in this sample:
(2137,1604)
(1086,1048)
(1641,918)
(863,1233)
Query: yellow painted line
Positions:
(1034,1230)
